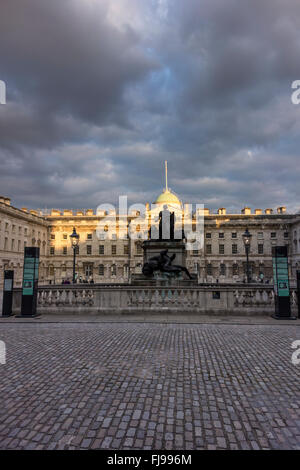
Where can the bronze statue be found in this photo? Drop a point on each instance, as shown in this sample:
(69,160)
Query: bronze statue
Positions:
(163,263)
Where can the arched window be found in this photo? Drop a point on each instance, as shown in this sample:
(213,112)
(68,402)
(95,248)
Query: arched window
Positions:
(101,270)
(125,270)
(209,269)
(222,269)
(113,270)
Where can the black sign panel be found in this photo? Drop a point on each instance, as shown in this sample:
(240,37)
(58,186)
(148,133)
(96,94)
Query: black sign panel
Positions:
(281,282)
(7,293)
(30,281)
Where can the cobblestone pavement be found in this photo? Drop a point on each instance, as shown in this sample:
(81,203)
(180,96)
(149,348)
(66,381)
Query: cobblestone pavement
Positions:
(149,386)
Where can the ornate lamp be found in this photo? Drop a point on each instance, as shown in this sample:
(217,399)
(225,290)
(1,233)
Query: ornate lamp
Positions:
(247,242)
(74,240)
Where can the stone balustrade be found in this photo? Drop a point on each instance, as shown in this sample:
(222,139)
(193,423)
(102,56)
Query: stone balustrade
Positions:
(118,299)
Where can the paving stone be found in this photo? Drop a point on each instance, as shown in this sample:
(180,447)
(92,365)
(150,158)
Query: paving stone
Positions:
(140,385)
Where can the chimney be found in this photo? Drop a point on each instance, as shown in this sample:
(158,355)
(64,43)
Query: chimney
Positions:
(203,211)
(281,210)
(258,212)
(222,211)
(7,201)
(268,211)
(246,211)
(55,212)
(68,212)
(33,212)
(89,212)
(24,209)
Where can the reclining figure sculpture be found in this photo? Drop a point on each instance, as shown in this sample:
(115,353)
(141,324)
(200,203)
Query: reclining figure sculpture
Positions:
(163,263)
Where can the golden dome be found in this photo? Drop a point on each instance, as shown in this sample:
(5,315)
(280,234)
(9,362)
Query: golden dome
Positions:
(167,197)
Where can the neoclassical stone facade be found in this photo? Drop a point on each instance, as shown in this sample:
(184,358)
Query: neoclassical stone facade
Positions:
(115,258)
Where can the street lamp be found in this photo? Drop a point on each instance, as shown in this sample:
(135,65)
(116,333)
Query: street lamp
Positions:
(74,240)
(247,242)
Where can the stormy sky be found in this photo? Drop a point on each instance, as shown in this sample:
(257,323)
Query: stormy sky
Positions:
(101,92)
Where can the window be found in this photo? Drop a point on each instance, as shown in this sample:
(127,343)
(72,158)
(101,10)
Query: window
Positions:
(209,269)
(260,249)
(126,249)
(221,235)
(139,249)
(89,236)
(25,231)
(273,234)
(13,228)
(105,228)
(221,249)
(208,235)
(6,241)
(234,249)
(65,236)
(260,235)
(64,268)
(195,252)
(286,234)
(51,270)
(222,269)
(19,245)
(114,270)
(65,250)
(101,270)
(235,269)
(52,250)
(88,249)
(234,235)
(52,236)
(88,269)
(101,249)
(113,249)
(12,244)
(208,249)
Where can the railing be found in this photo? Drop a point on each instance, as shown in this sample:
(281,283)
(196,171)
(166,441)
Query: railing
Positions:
(237,300)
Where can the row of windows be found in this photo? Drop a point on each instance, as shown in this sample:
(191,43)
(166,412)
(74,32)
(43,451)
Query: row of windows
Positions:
(26,233)
(235,235)
(89,236)
(207,235)
(235,269)
(234,249)
(88,269)
(101,250)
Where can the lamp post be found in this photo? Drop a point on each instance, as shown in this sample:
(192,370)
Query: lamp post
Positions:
(247,242)
(74,240)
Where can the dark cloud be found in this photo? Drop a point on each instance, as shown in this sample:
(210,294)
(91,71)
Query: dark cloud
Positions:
(100,93)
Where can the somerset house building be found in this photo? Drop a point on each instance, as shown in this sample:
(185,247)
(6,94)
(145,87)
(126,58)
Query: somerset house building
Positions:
(115,256)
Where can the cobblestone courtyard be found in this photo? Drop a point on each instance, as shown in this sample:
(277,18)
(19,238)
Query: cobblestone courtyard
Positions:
(149,386)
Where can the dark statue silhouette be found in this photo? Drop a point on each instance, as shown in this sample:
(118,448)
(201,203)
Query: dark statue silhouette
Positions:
(166,226)
(163,263)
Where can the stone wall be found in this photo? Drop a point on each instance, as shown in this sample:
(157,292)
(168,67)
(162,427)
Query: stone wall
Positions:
(120,299)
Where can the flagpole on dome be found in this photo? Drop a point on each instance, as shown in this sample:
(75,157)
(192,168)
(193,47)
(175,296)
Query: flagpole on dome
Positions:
(166,172)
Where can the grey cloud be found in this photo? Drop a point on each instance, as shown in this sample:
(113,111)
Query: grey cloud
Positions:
(98,99)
